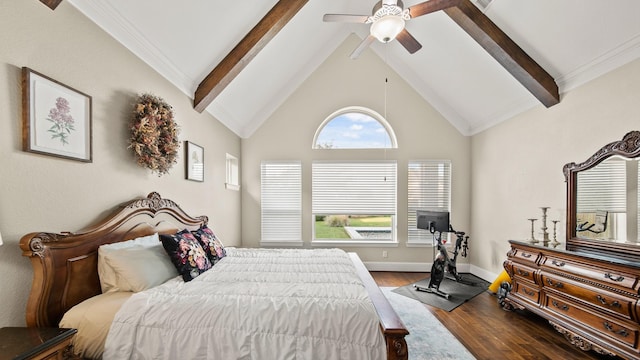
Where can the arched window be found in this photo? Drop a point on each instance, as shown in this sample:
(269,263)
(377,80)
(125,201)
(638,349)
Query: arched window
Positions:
(354,202)
(354,128)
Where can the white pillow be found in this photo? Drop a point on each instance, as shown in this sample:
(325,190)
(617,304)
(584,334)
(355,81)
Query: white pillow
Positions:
(108,281)
(139,268)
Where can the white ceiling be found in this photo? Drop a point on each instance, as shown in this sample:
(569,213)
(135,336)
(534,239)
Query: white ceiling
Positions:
(573,40)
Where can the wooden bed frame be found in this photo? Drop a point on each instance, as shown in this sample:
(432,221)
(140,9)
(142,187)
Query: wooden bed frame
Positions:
(65,265)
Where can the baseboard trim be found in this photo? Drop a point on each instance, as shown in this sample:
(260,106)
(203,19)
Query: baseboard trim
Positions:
(426,267)
(406,266)
(484,274)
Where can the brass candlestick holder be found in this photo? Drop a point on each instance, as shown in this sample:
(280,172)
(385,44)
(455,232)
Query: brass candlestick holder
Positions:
(533,239)
(555,241)
(545,233)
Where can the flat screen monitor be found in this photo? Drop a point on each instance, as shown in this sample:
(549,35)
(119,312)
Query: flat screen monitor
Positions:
(433,220)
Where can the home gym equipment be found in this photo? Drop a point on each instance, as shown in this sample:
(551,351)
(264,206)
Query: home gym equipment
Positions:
(437,222)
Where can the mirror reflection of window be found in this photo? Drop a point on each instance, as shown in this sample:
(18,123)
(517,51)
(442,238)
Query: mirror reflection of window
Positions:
(608,201)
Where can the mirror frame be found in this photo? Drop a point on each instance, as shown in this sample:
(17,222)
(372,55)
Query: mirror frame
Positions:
(628,147)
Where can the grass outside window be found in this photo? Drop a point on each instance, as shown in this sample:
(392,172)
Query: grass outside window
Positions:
(325,231)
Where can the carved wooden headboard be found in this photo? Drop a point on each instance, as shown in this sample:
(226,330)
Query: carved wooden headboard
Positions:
(65,266)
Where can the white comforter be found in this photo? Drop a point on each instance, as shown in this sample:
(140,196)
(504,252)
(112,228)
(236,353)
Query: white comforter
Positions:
(254,304)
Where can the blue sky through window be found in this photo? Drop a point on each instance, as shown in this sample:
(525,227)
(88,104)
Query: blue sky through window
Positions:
(353,130)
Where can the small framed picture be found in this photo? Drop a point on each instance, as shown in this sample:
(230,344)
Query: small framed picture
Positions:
(56,119)
(195,161)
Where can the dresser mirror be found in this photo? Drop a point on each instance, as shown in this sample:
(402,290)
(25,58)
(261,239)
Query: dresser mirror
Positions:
(603,201)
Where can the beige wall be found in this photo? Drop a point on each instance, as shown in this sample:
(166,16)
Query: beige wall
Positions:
(501,177)
(422,133)
(517,165)
(42,193)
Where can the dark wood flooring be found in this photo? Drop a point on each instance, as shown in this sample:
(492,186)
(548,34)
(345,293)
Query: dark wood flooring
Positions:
(489,332)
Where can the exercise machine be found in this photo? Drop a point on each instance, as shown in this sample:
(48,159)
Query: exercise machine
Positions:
(438,223)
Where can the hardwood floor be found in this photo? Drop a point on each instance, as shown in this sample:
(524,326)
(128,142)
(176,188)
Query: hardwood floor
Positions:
(489,332)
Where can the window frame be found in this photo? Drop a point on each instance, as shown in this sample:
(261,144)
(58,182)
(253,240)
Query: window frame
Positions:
(416,238)
(284,187)
(319,199)
(232,181)
(362,110)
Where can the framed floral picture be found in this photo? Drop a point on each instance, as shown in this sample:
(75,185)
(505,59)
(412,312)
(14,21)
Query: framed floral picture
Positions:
(195,161)
(56,119)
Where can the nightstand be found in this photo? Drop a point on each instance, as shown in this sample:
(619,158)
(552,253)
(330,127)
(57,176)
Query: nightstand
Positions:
(18,343)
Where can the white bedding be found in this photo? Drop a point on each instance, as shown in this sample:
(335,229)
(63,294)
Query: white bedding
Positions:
(254,304)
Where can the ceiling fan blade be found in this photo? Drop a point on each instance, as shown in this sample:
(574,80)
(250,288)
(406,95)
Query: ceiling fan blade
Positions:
(363,45)
(345,18)
(408,41)
(430,6)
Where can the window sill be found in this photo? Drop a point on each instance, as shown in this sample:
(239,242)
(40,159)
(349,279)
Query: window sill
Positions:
(281,244)
(343,243)
(232,186)
(420,245)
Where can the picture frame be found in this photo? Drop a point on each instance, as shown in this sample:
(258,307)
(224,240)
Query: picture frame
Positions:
(56,118)
(194,155)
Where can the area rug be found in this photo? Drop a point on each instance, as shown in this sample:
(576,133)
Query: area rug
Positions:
(458,292)
(428,338)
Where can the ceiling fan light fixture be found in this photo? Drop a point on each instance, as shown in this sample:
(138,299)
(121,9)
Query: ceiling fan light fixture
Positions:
(387,28)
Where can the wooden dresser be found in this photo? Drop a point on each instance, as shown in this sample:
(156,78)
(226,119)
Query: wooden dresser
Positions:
(593,301)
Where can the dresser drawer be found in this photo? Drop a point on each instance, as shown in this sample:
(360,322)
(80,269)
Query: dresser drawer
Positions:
(526,290)
(605,326)
(618,279)
(523,272)
(526,256)
(604,300)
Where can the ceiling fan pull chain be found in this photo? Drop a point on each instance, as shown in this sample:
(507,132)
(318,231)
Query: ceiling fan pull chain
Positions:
(386,81)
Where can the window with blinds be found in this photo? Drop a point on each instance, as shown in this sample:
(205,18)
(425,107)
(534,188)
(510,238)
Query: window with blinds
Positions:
(354,201)
(281,202)
(429,187)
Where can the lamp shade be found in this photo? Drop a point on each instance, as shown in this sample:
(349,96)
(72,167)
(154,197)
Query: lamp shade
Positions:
(387,28)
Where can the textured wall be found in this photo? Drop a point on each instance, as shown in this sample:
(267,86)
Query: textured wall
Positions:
(43,193)
(517,165)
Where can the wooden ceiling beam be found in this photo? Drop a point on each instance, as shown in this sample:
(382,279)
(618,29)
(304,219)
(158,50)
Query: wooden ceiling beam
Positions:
(52,4)
(498,44)
(222,75)
(505,51)
(430,6)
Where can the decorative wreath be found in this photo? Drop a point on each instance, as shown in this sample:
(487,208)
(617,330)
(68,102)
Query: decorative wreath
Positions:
(154,134)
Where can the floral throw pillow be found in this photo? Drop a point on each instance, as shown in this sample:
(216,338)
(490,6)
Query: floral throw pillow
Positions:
(186,254)
(210,243)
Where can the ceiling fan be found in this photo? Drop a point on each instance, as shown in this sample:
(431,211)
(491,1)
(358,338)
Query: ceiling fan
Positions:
(388,22)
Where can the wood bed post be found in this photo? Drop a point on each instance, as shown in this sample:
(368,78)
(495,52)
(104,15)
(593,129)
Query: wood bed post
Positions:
(392,326)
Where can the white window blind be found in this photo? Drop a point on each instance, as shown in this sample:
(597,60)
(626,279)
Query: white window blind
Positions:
(429,187)
(603,187)
(281,201)
(354,188)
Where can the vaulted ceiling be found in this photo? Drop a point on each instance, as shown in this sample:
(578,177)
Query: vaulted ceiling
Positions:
(481,62)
